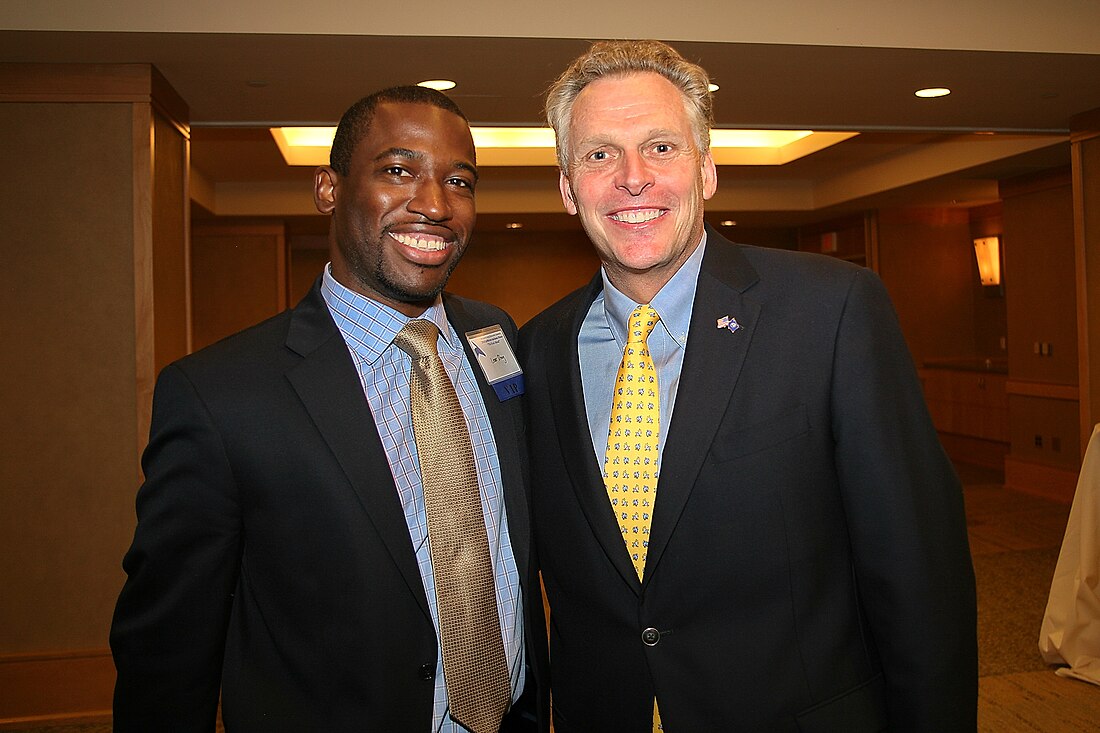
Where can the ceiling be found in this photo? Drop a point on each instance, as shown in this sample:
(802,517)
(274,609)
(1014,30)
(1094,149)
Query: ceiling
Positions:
(1009,113)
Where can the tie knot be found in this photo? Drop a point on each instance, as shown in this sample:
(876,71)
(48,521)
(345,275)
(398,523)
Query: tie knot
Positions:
(417,338)
(642,321)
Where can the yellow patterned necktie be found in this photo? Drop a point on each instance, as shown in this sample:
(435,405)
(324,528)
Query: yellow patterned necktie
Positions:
(474,664)
(630,466)
(630,463)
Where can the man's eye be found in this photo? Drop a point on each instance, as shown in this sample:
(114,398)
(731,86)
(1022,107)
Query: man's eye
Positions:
(662,147)
(460,183)
(598,155)
(395,170)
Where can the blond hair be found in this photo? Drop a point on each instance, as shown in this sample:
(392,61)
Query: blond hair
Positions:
(620,58)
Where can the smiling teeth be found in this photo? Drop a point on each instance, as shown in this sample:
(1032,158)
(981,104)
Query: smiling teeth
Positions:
(636,217)
(424,244)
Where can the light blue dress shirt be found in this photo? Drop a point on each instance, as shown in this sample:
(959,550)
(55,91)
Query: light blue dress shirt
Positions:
(602,339)
(369,329)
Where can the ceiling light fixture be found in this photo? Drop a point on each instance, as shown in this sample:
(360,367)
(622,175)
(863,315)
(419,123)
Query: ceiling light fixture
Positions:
(932,92)
(712,87)
(534,146)
(440,85)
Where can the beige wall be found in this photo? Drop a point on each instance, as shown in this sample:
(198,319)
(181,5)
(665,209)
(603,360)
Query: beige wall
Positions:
(1064,26)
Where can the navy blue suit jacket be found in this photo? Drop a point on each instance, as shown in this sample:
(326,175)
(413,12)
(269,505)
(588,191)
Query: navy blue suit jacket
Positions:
(272,561)
(808,567)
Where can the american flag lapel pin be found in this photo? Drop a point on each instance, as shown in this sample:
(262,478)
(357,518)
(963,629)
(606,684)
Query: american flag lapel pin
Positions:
(729,322)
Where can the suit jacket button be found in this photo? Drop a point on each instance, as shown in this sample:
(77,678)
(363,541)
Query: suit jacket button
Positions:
(651,636)
(426,672)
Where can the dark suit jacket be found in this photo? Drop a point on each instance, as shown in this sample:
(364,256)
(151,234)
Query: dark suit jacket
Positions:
(808,567)
(272,558)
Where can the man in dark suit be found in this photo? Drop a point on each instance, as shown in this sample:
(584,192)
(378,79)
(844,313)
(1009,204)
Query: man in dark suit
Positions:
(769,537)
(282,555)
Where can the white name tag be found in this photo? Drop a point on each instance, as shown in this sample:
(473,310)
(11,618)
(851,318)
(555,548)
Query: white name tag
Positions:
(498,363)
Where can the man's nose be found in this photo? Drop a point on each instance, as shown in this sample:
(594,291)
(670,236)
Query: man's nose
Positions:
(634,174)
(430,201)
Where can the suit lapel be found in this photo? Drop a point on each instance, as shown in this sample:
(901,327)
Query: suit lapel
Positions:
(710,371)
(329,387)
(506,419)
(571,419)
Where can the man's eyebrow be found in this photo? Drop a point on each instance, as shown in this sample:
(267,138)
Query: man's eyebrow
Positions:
(400,153)
(596,140)
(471,169)
(408,154)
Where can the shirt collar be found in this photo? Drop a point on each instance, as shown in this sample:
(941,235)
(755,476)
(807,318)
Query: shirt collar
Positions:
(370,327)
(673,302)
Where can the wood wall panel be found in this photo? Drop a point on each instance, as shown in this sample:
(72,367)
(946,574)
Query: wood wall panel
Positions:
(925,259)
(968,403)
(69,687)
(238,278)
(1040,479)
(1040,279)
(305,266)
(524,272)
(1039,272)
(1044,430)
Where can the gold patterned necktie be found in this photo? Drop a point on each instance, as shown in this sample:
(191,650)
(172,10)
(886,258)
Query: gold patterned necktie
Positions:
(474,665)
(630,467)
(630,464)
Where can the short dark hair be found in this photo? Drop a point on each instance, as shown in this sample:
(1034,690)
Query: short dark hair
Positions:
(357,120)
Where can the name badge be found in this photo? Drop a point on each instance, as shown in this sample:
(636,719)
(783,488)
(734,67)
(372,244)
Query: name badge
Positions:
(497,362)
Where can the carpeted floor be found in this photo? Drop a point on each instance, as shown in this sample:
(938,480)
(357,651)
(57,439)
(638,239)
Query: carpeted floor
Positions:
(1012,594)
(1015,540)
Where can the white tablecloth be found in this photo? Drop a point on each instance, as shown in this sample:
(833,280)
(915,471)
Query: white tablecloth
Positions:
(1070,634)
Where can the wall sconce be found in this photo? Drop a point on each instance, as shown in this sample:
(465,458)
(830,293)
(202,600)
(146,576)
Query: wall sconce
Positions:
(988,252)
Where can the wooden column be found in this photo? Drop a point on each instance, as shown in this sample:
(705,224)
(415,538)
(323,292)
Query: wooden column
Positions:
(1085,153)
(93,300)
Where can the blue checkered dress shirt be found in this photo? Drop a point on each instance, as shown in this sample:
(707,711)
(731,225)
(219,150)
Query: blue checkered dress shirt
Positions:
(369,329)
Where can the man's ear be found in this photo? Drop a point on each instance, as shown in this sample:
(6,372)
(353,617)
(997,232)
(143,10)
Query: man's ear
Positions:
(567,194)
(324,189)
(710,177)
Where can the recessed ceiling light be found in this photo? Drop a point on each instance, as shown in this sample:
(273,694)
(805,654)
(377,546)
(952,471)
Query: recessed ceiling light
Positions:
(514,225)
(440,85)
(712,87)
(932,92)
(728,223)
